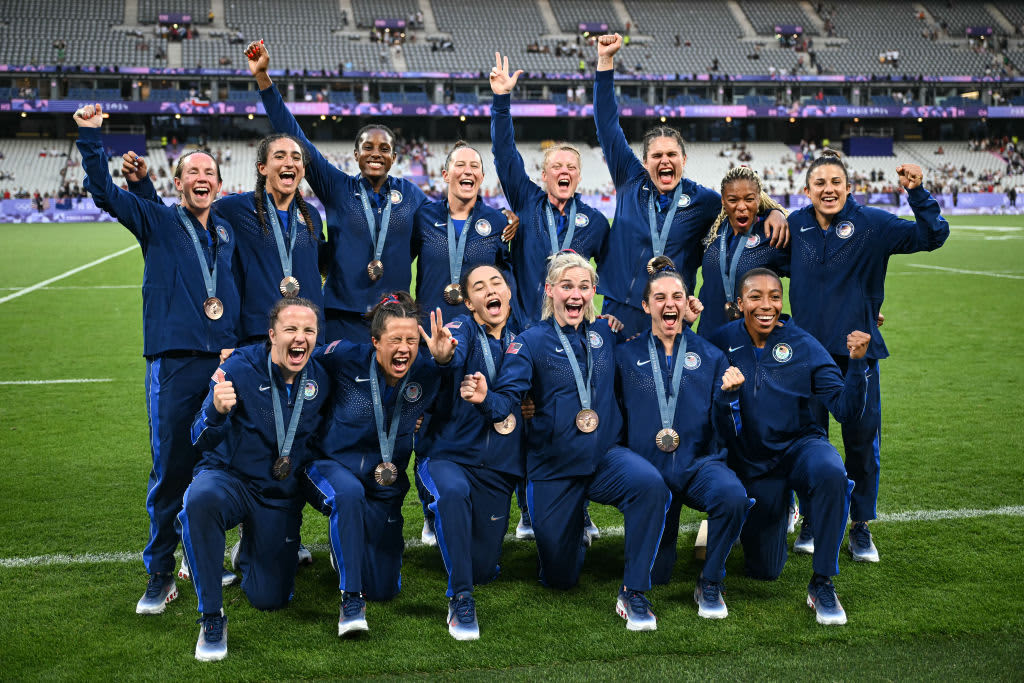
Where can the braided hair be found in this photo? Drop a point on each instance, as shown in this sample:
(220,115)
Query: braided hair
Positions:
(393,305)
(828,157)
(765,202)
(663,267)
(260,193)
(663,132)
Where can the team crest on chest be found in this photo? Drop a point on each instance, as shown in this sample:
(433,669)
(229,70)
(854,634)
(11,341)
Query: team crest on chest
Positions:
(413,392)
(782,352)
(753,241)
(454,325)
(514,347)
(582,220)
(596,341)
(222,233)
(482,227)
(309,390)
(844,230)
(684,201)
(396,197)
(691,361)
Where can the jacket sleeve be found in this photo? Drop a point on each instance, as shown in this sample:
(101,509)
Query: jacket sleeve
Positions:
(210,427)
(927,232)
(320,173)
(144,189)
(515,181)
(725,405)
(622,162)
(511,385)
(844,398)
(138,215)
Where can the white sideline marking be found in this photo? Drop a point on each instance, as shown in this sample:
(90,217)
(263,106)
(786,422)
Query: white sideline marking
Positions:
(992,228)
(967,272)
(40,285)
(74,287)
(55,381)
(606,532)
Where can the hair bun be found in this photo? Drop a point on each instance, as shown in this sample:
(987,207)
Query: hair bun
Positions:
(829,152)
(659,263)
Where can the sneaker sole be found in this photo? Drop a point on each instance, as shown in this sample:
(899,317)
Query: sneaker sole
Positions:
(184,575)
(458,634)
(428,540)
(228,579)
(803,550)
(525,534)
(210,657)
(826,621)
(158,610)
(632,625)
(864,558)
(701,612)
(353,627)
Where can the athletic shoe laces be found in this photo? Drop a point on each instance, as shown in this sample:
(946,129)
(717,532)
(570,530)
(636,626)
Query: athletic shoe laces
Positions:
(465,609)
(352,604)
(826,591)
(711,591)
(213,628)
(861,536)
(155,585)
(638,603)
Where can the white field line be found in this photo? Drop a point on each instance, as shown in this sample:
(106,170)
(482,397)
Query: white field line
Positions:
(74,287)
(606,532)
(40,285)
(961,271)
(988,228)
(55,381)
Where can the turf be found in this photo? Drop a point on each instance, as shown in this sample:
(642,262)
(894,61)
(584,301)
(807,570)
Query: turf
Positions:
(943,603)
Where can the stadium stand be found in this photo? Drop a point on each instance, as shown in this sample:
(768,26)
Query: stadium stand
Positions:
(765,15)
(570,13)
(150,9)
(365,12)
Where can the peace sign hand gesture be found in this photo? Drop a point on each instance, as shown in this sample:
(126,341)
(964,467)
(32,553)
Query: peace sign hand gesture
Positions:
(440,342)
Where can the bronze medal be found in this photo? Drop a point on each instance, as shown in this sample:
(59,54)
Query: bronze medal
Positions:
(453,294)
(667,440)
(506,426)
(586,420)
(386,474)
(650,266)
(375,269)
(282,468)
(289,287)
(213,308)
(732,311)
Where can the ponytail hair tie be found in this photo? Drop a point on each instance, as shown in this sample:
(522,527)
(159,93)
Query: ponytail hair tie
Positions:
(389,299)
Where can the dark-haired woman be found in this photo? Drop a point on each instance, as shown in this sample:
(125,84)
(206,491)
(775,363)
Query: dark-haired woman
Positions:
(774,443)
(735,244)
(657,210)
(369,216)
(359,479)
(468,463)
(840,254)
(674,387)
(189,315)
(264,404)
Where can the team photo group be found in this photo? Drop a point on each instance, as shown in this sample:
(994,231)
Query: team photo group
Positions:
(287,364)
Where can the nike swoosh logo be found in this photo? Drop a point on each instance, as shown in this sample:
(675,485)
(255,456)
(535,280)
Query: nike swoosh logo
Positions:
(391,521)
(291,540)
(440,225)
(642,362)
(559,349)
(495,519)
(362,379)
(736,348)
(809,227)
(264,388)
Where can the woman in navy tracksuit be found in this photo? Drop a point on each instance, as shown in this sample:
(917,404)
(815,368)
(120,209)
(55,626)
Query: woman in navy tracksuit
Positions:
(840,253)
(469,464)
(775,445)
(567,362)
(359,476)
(263,405)
(735,244)
(657,210)
(369,216)
(190,310)
(676,433)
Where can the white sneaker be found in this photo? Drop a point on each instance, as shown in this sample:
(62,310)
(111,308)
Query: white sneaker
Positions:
(524,530)
(159,591)
(794,517)
(305,557)
(212,645)
(427,535)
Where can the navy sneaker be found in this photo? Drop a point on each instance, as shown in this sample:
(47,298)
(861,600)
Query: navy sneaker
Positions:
(822,598)
(159,591)
(589,528)
(635,608)
(804,543)
(524,530)
(862,548)
(212,645)
(353,614)
(708,596)
(462,623)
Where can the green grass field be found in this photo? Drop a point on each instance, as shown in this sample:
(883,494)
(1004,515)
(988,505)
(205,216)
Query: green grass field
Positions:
(944,603)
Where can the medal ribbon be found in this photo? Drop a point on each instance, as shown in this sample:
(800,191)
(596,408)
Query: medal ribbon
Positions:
(387,441)
(455,257)
(570,227)
(209,275)
(582,389)
(729,275)
(377,237)
(485,345)
(658,240)
(284,440)
(275,227)
(667,404)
